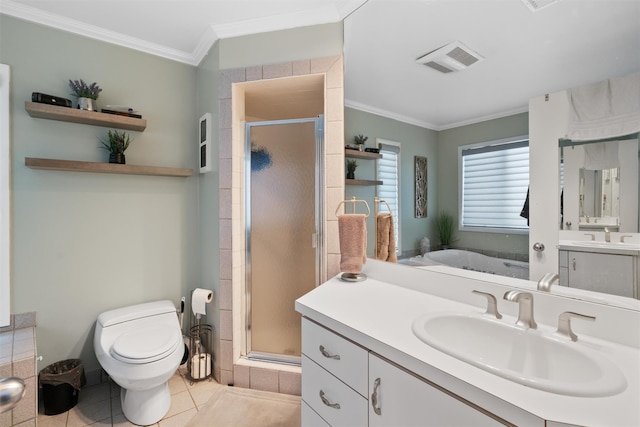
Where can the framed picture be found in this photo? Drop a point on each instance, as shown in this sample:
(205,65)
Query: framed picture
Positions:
(205,143)
(421,186)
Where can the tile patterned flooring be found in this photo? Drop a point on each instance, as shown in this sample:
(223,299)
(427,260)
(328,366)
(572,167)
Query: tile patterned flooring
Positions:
(99,405)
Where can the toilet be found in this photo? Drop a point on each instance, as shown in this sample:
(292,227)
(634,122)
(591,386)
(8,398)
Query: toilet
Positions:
(141,347)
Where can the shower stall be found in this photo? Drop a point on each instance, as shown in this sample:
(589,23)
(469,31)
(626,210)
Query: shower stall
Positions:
(284,213)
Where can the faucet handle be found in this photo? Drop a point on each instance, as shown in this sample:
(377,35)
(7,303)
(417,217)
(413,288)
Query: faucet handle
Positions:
(593,236)
(564,324)
(624,237)
(492,304)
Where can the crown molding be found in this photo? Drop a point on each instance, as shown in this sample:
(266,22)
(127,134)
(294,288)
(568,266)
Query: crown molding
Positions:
(38,16)
(413,121)
(500,115)
(285,21)
(388,114)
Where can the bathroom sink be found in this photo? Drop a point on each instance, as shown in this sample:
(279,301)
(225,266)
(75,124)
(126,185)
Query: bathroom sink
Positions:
(528,357)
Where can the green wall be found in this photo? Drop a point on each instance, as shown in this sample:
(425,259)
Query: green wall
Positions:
(208,193)
(84,243)
(415,141)
(276,47)
(448,142)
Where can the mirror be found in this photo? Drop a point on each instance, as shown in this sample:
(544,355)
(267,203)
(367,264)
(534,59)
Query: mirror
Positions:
(599,199)
(599,186)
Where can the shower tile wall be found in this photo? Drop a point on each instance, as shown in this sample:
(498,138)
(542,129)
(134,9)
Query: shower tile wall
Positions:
(232,225)
(18,359)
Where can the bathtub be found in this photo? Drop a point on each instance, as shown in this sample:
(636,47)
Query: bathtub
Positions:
(473,261)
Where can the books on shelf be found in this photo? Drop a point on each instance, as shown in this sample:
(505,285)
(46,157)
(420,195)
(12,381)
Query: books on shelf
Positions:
(121,113)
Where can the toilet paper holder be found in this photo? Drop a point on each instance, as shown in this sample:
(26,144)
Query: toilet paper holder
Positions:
(200,362)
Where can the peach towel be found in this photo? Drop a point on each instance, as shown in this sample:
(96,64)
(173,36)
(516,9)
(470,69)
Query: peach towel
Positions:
(386,239)
(352,229)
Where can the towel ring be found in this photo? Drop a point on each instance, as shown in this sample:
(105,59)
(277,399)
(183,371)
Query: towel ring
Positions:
(378,201)
(354,201)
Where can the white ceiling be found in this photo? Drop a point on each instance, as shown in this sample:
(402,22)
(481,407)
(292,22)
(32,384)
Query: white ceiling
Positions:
(567,44)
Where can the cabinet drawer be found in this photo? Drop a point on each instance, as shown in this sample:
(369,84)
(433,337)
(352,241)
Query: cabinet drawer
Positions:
(341,357)
(330,398)
(310,418)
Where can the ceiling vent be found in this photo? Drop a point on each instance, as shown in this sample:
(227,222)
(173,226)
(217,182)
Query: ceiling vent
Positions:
(536,5)
(452,57)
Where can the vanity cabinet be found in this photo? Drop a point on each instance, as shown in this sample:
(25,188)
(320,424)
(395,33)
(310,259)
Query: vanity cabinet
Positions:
(400,398)
(601,272)
(343,384)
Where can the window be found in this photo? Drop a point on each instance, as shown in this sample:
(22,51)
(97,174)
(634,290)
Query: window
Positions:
(494,180)
(388,171)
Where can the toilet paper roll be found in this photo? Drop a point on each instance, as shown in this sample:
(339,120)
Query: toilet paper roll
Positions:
(201,366)
(199,298)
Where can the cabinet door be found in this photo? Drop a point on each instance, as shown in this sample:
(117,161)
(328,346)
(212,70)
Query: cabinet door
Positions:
(398,398)
(612,274)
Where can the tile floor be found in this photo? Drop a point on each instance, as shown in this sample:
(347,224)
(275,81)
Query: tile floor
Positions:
(99,405)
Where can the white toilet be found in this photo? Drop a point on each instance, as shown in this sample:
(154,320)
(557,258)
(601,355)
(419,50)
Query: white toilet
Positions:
(141,347)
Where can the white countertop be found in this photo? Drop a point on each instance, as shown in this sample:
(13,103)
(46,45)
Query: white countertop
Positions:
(614,248)
(379,315)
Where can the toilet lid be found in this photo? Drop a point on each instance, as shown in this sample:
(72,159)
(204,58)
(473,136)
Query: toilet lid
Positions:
(146,345)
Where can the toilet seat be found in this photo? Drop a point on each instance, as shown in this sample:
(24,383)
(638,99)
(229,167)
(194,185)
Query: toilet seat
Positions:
(146,345)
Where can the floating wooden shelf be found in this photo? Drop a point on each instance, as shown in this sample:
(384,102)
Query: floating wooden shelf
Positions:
(77,166)
(361,182)
(54,112)
(356,154)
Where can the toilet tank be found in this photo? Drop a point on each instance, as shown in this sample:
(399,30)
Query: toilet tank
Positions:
(134,312)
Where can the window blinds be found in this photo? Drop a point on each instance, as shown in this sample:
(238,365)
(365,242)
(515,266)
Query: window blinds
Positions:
(388,172)
(495,180)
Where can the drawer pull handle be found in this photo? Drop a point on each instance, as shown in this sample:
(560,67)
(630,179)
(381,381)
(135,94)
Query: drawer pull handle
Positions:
(374,397)
(326,401)
(328,355)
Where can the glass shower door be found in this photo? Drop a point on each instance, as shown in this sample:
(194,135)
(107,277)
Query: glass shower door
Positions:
(282,215)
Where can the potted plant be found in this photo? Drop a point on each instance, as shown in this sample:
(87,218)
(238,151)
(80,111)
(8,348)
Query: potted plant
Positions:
(351,169)
(116,145)
(86,93)
(360,140)
(444,224)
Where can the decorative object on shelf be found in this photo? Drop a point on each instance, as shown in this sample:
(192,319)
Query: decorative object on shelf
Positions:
(116,146)
(43,98)
(260,158)
(372,150)
(360,140)
(444,224)
(420,174)
(86,93)
(351,169)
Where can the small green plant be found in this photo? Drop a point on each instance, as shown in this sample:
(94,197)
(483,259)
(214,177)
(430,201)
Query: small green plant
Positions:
(351,166)
(82,90)
(117,143)
(360,139)
(444,224)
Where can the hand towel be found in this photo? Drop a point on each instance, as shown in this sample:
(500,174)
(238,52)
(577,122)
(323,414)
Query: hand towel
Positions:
(386,239)
(606,109)
(352,230)
(601,155)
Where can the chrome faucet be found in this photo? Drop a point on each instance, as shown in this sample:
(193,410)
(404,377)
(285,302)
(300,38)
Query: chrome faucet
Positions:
(525,304)
(607,235)
(544,284)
